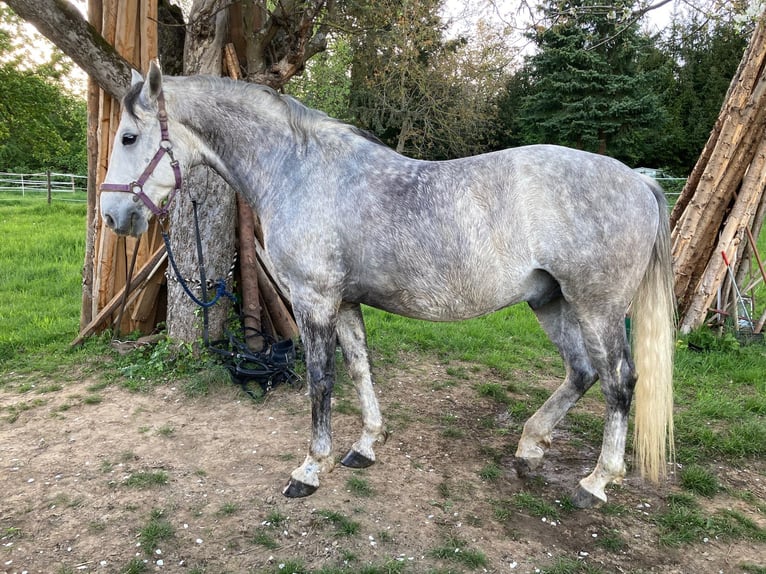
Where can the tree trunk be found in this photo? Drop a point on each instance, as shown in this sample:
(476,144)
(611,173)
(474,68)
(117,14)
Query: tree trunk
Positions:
(216,201)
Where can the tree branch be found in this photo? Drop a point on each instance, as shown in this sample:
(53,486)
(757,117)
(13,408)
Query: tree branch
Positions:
(62,24)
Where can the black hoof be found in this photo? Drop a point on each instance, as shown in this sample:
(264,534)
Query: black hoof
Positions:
(298,489)
(522,467)
(581,498)
(355,460)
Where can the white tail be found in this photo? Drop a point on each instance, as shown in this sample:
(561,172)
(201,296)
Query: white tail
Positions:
(654,329)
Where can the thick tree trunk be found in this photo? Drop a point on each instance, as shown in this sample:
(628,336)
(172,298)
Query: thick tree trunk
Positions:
(216,201)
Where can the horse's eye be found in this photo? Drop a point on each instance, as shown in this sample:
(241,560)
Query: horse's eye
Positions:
(129,139)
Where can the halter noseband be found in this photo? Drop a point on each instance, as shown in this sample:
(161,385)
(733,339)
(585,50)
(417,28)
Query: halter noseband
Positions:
(137,187)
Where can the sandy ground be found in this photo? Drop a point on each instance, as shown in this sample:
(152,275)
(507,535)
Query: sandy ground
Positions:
(67,502)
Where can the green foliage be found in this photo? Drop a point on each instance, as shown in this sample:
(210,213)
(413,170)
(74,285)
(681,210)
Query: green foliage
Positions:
(571,566)
(535,506)
(598,82)
(42,126)
(422,93)
(591,86)
(704,58)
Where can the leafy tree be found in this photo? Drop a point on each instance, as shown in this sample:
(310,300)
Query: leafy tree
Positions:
(42,126)
(326,82)
(704,60)
(425,95)
(589,84)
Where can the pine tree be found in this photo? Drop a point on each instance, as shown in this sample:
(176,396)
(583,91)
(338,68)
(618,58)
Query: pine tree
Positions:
(589,86)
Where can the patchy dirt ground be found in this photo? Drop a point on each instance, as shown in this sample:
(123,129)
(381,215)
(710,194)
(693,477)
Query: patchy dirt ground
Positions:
(442,497)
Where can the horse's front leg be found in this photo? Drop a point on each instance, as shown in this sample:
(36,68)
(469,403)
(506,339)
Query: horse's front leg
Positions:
(316,322)
(353,342)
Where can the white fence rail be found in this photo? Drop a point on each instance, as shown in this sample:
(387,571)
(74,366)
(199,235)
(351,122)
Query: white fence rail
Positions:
(45,182)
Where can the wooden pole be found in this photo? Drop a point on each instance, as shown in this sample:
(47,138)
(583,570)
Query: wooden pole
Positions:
(144,273)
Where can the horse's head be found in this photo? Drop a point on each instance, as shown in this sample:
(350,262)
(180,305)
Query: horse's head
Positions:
(144,171)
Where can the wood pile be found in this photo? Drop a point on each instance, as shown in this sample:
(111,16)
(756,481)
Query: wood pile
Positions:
(722,206)
(131,27)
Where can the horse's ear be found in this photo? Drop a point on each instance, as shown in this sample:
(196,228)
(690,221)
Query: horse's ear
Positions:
(152,85)
(135,78)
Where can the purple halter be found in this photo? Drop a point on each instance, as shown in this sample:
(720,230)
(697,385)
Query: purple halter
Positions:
(137,187)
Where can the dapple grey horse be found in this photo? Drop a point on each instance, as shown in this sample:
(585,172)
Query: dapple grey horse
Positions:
(580,238)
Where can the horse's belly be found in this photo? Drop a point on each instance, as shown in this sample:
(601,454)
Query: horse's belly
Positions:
(441,303)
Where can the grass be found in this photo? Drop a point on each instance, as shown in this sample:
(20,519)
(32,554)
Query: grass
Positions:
(456,550)
(147,479)
(41,256)
(344,526)
(684,522)
(156,531)
(359,486)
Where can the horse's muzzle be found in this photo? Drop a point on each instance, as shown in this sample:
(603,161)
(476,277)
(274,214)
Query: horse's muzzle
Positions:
(127,218)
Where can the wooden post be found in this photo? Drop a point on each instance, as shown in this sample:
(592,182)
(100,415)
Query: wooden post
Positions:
(48,180)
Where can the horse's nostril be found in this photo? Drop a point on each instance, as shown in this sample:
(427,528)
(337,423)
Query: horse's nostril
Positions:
(109,220)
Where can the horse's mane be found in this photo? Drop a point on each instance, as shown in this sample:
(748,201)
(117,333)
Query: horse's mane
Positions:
(303,120)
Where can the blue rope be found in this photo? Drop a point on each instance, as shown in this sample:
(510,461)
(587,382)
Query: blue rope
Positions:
(220,284)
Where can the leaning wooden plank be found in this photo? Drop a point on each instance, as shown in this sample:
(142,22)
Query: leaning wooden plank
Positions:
(143,274)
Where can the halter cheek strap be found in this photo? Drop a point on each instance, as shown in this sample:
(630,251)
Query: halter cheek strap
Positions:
(137,187)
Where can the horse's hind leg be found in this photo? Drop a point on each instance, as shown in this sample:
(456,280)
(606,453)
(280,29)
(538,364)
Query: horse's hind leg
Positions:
(610,353)
(353,342)
(561,326)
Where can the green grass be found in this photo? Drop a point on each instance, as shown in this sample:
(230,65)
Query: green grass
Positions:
(156,531)
(359,486)
(147,479)
(684,522)
(507,341)
(344,526)
(456,550)
(41,256)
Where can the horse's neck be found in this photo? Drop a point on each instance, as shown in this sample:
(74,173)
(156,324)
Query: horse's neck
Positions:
(242,149)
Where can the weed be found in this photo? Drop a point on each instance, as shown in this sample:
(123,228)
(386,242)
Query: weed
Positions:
(12,533)
(276,519)
(613,509)
(157,530)
(494,391)
(93,399)
(166,430)
(455,550)
(490,472)
(96,526)
(343,525)
(610,540)
(458,373)
(263,538)
(535,505)
(359,486)
(143,479)
(684,522)
(699,480)
(228,508)
(288,567)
